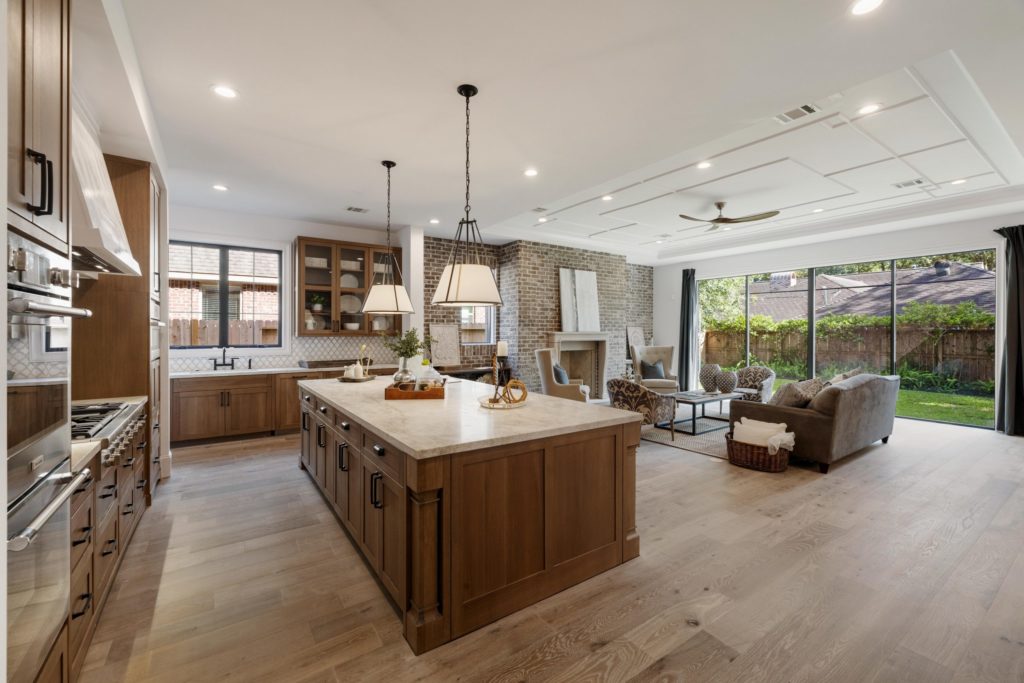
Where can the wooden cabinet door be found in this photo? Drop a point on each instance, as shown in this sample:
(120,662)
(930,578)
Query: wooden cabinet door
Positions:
(370,529)
(317,281)
(287,411)
(346,481)
(22,182)
(331,465)
(82,604)
(51,106)
(55,668)
(154,240)
(249,410)
(391,567)
(155,400)
(306,434)
(197,415)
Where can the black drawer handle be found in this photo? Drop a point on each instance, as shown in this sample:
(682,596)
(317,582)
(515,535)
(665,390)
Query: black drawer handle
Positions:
(142,446)
(323,409)
(156,460)
(49,190)
(378,450)
(305,421)
(128,509)
(83,539)
(342,450)
(106,495)
(373,490)
(128,463)
(39,158)
(113,547)
(345,426)
(85,608)
(85,485)
(321,432)
(141,485)
(307,398)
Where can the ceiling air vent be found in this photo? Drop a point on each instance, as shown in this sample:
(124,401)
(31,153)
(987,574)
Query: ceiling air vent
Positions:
(798,113)
(916,182)
(540,209)
(356,209)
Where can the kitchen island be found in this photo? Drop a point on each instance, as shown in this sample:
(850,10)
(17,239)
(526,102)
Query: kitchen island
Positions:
(467,514)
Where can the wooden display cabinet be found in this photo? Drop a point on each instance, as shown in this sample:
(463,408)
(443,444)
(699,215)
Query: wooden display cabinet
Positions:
(333,281)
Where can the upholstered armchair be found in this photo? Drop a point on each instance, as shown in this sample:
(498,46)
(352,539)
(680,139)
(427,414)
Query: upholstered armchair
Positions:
(651,355)
(549,386)
(756,383)
(656,408)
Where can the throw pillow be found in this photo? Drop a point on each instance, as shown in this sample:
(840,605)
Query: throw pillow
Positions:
(773,427)
(845,375)
(755,432)
(652,370)
(561,376)
(788,396)
(809,388)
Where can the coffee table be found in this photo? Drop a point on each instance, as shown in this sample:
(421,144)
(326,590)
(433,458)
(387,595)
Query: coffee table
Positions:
(700,398)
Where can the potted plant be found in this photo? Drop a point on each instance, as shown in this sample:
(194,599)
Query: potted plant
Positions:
(317,301)
(406,346)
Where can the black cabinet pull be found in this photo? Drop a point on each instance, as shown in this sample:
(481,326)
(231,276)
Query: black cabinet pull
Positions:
(306,398)
(373,489)
(142,446)
(305,421)
(113,547)
(39,158)
(141,485)
(106,495)
(323,409)
(85,485)
(319,433)
(378,503)
(227,395)
(129,462)
(345,426)
(49,190)
(85,608)
(83,539)
(378,450)
(128,509)
(342,450)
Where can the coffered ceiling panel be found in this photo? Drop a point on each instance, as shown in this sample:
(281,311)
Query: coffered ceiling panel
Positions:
(910,127)
(988,181)
(949,162)
(877,180)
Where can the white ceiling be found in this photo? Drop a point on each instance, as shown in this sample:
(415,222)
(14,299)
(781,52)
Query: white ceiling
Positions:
(598,96)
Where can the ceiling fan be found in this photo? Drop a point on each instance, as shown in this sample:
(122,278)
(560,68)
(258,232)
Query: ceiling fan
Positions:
(721,220)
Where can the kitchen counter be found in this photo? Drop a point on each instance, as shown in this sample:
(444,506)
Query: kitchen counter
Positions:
(82,452)
(467,514)
(267,371)
(456,424)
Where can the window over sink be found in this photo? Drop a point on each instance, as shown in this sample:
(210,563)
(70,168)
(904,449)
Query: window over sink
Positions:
(224,296)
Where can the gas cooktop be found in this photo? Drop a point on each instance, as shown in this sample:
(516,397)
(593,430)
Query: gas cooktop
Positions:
(88,421)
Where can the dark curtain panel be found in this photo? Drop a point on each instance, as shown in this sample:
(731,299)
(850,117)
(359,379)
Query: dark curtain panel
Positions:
(689,324)
(1010,402)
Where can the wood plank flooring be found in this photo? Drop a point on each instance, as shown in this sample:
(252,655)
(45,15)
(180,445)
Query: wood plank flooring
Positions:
(905,563)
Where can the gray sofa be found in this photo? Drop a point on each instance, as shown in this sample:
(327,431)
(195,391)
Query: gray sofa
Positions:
(841,420)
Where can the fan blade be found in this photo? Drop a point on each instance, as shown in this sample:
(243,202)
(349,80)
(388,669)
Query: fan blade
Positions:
(712,228)
(748,219)
(695,220)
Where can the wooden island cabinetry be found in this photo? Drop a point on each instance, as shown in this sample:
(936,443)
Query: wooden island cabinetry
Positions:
(467,515)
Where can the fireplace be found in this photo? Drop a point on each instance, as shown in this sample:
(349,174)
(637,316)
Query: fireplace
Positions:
(584,355)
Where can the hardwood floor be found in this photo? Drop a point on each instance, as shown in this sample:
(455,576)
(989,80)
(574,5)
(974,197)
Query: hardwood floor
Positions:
(905,563)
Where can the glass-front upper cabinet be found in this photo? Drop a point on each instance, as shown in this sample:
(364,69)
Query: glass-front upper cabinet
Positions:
(352,287)
(316,315)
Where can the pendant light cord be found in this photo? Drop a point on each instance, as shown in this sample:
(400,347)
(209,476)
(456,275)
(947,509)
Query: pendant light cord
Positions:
(467,207)
(391,255)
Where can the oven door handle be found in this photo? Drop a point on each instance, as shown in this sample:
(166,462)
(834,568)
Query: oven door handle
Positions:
(24,539)
(29,307)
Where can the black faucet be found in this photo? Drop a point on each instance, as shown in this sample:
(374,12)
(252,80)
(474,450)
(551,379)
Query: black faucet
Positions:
(224,361)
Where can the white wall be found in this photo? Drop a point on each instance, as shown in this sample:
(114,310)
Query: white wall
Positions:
(959,236)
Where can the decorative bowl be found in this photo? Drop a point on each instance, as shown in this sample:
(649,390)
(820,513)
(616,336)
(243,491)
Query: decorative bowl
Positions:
(351,326)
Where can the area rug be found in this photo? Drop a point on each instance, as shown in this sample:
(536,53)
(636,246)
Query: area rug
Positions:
(708,443)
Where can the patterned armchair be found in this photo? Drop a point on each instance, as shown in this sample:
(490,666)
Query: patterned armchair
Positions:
(656,408)
(756,383)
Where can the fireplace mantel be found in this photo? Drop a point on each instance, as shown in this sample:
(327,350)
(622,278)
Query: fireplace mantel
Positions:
(595,342)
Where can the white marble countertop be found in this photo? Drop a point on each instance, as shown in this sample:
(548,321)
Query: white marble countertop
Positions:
(265,371)
(428,428)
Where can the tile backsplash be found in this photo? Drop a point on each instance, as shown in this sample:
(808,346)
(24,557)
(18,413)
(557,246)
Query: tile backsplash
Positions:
(302,348)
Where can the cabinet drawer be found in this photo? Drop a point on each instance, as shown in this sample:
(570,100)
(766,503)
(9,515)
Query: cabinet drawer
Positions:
(126,508)
(384,455)
(82,603)
(83,527)
(106,494)
(227,382)
(348,430)
(324,411)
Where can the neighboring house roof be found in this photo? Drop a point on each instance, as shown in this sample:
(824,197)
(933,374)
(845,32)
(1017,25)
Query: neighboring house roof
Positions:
(870,293)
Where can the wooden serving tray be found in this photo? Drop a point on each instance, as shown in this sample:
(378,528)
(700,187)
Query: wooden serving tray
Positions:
(360,379)
(400,393)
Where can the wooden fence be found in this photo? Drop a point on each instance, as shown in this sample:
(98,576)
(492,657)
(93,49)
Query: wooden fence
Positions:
(968,355)
(189,332)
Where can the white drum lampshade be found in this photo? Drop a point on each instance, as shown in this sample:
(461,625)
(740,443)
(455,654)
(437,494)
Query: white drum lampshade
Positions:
(387,299)
(467,284)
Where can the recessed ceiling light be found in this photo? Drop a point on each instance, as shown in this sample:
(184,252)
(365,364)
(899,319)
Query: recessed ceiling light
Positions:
(607,198)
(530,172)
(959,181)
(704,164)
(817,210)
(220,188)
(660,242)
(434,221)
(726,228)
(225,91)
(542,220)
(869,109)
(865,6)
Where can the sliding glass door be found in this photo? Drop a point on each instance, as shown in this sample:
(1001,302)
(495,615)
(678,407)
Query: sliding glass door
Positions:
(931,319)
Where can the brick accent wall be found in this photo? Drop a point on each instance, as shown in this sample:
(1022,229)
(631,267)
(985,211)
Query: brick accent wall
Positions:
(435,256)
(533,310)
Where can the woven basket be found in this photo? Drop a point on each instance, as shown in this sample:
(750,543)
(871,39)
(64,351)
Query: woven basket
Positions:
(756,457)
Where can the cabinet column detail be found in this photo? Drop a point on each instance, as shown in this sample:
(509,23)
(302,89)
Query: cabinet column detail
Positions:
(426,625)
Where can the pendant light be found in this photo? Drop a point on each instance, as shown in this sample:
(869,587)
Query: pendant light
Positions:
(467,280)
(388,296)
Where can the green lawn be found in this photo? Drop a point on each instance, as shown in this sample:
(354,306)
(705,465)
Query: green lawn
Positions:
(929,405)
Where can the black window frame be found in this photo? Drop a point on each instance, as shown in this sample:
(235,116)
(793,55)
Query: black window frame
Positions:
(224,289)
